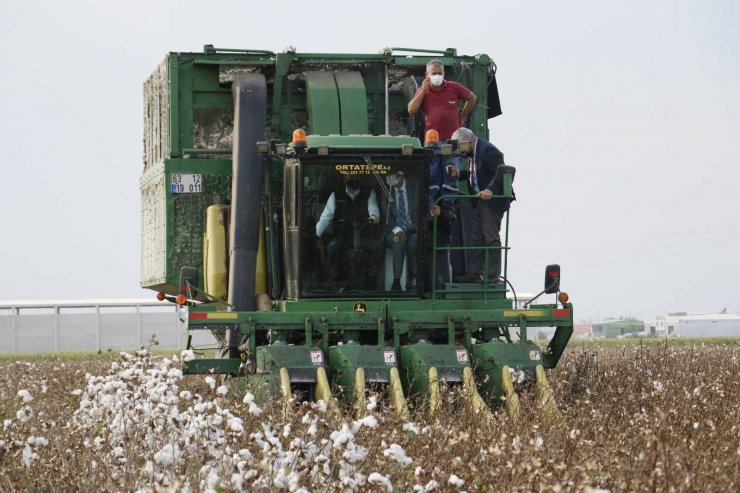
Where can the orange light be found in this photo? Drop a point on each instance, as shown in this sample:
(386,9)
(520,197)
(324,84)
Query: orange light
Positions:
(299,136)
(161,296)
(563,297)
(431,138)
(181,299)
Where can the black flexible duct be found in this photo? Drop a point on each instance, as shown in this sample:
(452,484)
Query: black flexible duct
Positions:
(250,112)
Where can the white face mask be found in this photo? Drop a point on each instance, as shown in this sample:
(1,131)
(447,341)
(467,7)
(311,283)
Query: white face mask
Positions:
(436,80)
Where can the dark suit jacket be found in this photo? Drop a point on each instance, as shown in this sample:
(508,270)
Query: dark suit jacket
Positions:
(487,159)
(391,210)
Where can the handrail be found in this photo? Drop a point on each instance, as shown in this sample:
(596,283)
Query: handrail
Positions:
(435,248)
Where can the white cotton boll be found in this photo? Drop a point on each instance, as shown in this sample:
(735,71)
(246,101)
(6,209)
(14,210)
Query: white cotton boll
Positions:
(212,480)
(373,403)
(44,388)
(37,441)
(398,454)
(238,481)
(28,456)
(222,390)
(418,471)
(312,429)
(25,396)
(24,414)
(7,423)
(339,438)
(411,427)
(253,407)
(379,479)
(236,425)
(167,455)
(431,485)
(369,421)
(455,481)
(211,382)
(286,430)
(658,386)
(355,453)
(320,406)
(538,443)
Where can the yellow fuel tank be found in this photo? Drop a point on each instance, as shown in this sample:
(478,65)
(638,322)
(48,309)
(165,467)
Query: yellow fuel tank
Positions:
(216,254)
(215,251)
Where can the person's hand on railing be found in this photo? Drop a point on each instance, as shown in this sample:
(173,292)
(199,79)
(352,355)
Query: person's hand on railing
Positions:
(400,236)
(452,170)
(485,194)
(435,210)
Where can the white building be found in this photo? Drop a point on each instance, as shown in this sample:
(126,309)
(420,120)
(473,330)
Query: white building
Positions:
(693,325)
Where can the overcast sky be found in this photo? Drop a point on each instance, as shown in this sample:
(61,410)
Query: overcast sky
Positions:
(622,118)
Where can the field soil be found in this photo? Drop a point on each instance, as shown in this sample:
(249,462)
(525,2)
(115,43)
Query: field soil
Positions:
(632,418)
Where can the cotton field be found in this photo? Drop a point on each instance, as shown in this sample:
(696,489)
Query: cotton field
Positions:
(634,418)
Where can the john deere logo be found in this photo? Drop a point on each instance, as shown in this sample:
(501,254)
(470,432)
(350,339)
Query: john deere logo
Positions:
(360,307)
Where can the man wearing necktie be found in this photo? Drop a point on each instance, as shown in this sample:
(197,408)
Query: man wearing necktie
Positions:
(489,211)
(401,231)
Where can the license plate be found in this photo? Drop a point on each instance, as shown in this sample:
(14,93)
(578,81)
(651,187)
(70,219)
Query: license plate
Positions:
(186,183)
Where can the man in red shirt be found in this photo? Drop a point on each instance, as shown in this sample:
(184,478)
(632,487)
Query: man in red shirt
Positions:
(439,99)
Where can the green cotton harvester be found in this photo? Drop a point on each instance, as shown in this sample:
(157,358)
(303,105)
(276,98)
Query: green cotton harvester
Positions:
(243,150)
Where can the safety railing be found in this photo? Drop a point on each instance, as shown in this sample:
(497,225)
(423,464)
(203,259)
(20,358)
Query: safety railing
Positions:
(485,287)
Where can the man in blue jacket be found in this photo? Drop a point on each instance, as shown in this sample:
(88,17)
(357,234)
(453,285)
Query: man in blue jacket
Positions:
(489,211)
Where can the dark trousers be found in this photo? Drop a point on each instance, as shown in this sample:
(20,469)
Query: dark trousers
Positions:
(335,255)
(487,232)
(400,249)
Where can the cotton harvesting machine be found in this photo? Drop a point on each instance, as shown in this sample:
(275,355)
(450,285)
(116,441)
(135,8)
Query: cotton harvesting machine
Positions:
(246,225)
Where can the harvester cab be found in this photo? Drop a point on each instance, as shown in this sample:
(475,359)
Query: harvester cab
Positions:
(285,209)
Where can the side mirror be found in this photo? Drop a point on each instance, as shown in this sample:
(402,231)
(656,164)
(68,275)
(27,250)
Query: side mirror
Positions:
(552,279)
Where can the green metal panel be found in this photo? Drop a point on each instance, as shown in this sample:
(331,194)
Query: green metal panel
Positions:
(362,141)
(352,102)
(323,103)
(488,358)
(416,359)
(172,223)
(344,360)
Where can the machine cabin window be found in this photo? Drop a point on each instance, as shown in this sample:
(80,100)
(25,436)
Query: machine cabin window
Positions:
(352,213)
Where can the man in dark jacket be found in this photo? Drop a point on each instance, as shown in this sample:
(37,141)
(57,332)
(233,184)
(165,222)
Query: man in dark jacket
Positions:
(349,210)
(489,211)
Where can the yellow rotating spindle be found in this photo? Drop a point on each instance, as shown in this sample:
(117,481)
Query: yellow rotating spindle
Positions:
(360,400)
(396,394)
(544,394)
(433,391)
(285,389)
(512,399)
(476,401)
(323,392)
